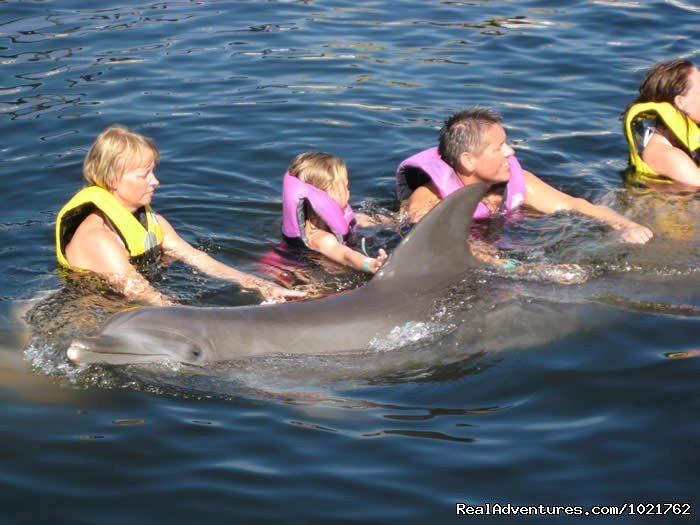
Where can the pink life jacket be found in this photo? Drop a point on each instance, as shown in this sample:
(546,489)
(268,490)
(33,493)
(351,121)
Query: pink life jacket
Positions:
(446,180)
(295,193)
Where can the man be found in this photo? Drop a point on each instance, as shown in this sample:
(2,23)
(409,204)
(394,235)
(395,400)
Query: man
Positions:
(473,149)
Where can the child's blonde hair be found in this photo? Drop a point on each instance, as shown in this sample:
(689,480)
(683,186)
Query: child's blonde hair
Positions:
(319,169)
(114,150)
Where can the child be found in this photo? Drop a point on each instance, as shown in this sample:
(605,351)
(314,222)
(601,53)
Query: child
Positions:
(315,210)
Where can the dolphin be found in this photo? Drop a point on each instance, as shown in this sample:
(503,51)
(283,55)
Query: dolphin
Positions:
(431,259)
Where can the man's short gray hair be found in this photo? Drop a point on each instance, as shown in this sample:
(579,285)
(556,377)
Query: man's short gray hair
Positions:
(466,131)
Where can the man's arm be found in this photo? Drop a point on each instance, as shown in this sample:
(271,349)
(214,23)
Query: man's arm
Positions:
(421,201)
(544,198)
(178,248)
(366,221)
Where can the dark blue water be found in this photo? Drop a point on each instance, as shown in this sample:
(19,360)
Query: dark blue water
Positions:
(528,393)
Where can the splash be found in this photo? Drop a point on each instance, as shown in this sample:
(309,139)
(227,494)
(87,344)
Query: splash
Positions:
(409,333)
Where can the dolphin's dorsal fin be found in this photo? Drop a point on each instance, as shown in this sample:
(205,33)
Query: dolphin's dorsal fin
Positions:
(437,247)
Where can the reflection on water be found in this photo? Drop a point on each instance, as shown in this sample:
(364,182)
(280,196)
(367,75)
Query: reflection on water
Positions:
(681,355)
(674,216)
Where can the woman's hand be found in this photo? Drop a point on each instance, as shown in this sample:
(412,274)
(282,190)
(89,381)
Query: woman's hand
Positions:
(271,292)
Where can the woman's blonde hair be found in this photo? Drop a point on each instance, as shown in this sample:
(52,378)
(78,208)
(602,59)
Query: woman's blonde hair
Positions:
(116,149)
(319,169)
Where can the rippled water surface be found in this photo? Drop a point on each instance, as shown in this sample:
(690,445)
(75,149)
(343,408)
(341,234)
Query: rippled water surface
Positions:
(521,391)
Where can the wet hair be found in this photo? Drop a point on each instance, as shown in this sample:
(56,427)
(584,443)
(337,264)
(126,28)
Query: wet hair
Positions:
(466,131)
(114,151)
(319,169)
(664,82)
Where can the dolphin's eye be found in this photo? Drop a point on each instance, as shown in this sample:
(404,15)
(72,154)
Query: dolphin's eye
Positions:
(193,353)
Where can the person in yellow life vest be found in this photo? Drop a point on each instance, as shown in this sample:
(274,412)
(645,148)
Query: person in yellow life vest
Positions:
(109,227)
(661,127)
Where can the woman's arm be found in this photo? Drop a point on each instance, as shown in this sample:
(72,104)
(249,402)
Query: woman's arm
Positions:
(176,247)
(97,248)
(671,162)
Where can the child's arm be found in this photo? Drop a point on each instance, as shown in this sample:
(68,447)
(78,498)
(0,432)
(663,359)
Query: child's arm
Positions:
(327,244)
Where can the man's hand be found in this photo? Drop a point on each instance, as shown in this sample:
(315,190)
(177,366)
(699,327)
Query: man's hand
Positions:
(636,234)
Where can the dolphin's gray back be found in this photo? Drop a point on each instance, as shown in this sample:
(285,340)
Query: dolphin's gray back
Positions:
(432,257)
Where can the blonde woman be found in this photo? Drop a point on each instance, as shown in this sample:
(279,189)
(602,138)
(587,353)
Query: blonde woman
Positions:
(109,227)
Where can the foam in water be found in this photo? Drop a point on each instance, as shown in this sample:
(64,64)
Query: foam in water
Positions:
(400,336)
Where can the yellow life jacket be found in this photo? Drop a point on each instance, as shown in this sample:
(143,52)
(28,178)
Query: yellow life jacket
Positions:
(639,119)
(142,242)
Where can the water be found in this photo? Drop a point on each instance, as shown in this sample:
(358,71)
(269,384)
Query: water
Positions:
(526,392)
